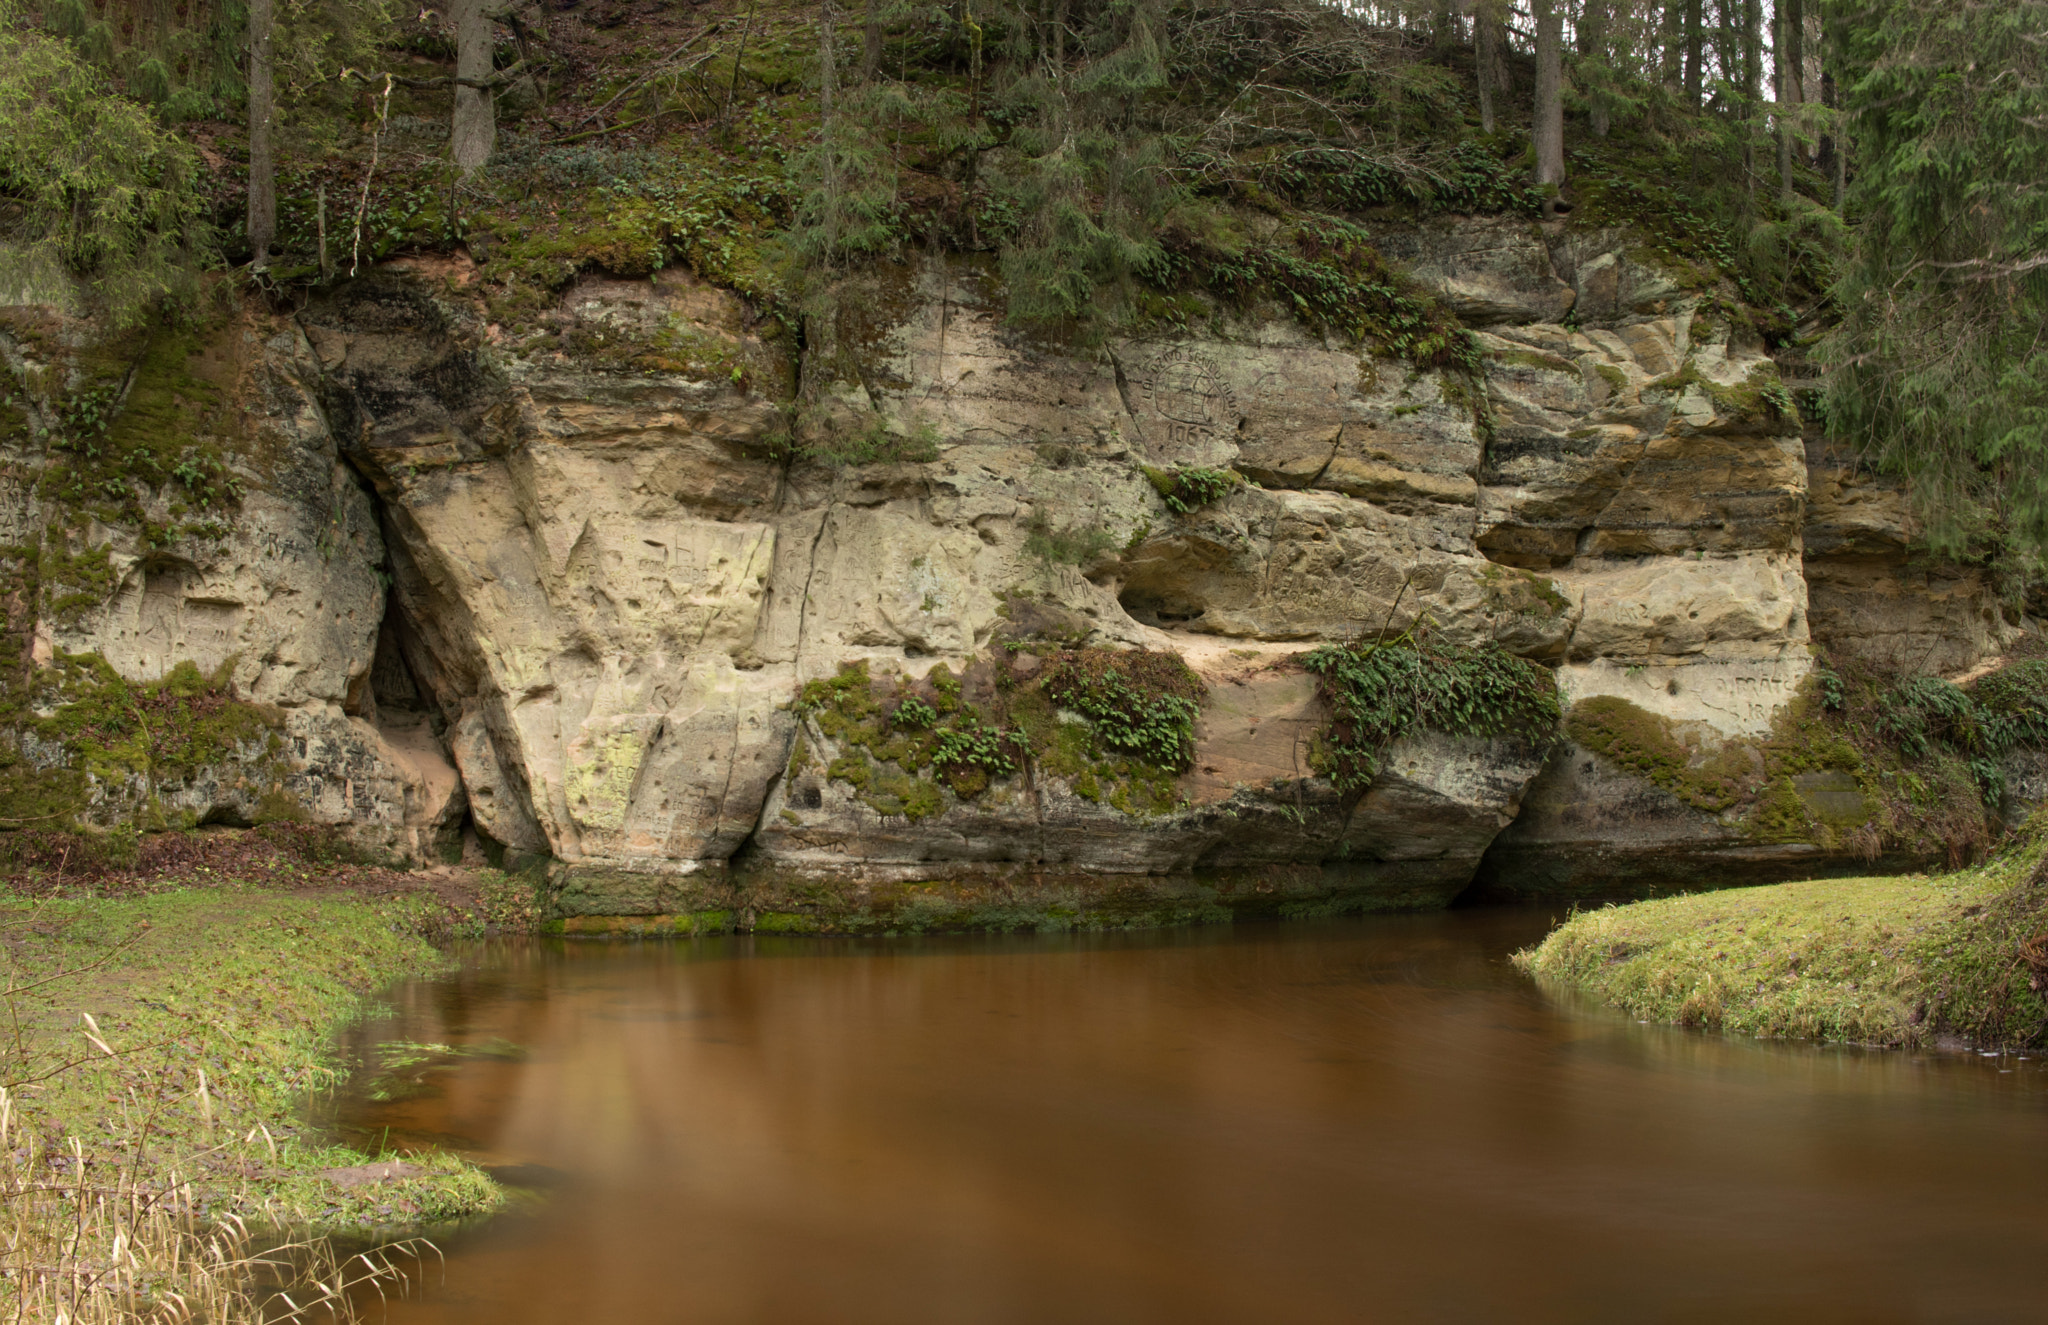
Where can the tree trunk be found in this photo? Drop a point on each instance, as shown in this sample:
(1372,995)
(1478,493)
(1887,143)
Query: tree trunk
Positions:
(1834,145)
(1753,52)
(1593,46)
(1795,47)
(1485,56)
(1751,42)
(871,43)
(1834,148)
(828,64)
(262,156)
(1788,100)
(475,129)
(1695,52)
(1549,124)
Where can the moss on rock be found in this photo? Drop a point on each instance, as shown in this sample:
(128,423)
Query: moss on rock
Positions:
(80,736)
(1831,774)
(1115,725)
(1707,776)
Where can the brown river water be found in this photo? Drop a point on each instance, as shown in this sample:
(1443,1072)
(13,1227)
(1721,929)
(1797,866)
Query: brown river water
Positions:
(1356,1121)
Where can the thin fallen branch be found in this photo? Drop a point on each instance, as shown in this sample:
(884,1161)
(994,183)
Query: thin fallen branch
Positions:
(660,67)
(497,79)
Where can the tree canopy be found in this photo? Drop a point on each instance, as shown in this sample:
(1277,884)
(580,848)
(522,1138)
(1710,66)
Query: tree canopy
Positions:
(98,190)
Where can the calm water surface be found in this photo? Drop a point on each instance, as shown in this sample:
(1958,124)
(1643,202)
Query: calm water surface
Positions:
(1370,1120)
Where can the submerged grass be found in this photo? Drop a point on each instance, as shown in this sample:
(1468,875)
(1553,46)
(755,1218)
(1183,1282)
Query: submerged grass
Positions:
(157,1054)
(1903,961)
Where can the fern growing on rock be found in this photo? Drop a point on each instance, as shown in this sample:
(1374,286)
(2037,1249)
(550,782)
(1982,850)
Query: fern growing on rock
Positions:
(1382,691)
(1140,702)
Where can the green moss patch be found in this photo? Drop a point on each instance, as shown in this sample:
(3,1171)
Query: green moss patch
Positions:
(144,435)
(684,924)
(900,740)
(1706,776)
(1535,359)
(1697,249)
(634,211)
(139,431)
(1522,593)
(1760,397)
(78,724)
(1891,961)
(1117,725)
(1328,274)
(246,988)
(1858,761)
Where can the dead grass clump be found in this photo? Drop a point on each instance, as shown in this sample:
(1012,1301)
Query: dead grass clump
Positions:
(87,1242)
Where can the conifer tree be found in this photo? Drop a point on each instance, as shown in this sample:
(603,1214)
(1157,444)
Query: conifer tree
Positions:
(1939,367)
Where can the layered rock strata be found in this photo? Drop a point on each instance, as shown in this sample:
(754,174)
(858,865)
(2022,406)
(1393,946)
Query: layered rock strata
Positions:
(621,540)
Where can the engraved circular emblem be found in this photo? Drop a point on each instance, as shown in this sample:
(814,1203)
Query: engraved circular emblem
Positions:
(1184,386)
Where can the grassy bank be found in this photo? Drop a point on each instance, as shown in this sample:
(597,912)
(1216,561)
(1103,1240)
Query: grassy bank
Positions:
(157,1052)
(1906,961)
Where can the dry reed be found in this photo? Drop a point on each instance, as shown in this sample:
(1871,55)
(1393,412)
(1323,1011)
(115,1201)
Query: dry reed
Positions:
(88,1243)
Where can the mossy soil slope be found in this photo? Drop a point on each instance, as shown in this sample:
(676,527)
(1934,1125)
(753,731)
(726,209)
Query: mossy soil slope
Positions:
(1905,961)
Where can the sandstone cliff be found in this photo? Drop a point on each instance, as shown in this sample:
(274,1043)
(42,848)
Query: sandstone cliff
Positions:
(559,588)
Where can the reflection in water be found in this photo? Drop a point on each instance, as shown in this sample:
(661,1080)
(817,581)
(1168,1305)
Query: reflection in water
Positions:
(1373,1120)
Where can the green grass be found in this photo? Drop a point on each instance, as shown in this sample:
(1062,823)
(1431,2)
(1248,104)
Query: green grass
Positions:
(1883,961)
(245,987)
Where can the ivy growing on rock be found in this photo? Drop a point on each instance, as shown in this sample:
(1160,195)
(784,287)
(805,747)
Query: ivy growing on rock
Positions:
(1382,691)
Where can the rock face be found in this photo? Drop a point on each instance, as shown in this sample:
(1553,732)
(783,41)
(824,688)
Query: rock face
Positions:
(282,604)
(1874,597)
(620,541)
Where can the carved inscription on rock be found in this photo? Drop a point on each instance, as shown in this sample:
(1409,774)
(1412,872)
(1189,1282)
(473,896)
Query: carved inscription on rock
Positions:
(157,624)
(1185,389)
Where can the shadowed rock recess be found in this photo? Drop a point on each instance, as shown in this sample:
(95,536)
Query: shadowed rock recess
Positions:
(581,595)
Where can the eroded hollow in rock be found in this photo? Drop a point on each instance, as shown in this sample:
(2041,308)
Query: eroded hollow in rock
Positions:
(394,697)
